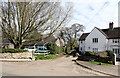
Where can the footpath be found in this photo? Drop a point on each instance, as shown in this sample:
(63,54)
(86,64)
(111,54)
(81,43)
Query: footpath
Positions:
(112,70)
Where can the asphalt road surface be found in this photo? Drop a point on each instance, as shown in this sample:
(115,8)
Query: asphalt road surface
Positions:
(62,66)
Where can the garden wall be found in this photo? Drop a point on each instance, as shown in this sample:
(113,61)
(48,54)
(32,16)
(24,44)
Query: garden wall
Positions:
(22,55)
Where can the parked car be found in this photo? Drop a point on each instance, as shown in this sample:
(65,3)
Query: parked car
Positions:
(41,50)
(30,48)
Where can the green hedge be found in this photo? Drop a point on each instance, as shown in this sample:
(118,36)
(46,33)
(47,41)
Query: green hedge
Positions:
(59,50)
(95,58)
(89,53)
(10,50)
(110,53)
(45,57)
(54,49)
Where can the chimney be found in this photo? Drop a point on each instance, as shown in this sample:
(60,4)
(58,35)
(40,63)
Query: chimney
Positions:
(111,25)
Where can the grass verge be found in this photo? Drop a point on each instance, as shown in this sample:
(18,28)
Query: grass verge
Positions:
(94,62)
(67,55)
(45,57)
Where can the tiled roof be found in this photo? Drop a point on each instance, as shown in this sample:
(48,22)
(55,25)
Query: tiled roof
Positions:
(112,34)
(50,39)
(83,36)
(40,42)
(108,33)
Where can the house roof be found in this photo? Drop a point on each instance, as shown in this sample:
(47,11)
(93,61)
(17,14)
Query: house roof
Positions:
(102,32)
(108,33)
(50,39)
(5,41)
(40,42)
(112,34)
(30,43)
(83,36)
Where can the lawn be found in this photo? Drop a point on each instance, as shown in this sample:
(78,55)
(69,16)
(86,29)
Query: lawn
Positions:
(94,62)
(45,57)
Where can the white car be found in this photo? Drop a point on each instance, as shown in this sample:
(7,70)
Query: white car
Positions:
(30,49)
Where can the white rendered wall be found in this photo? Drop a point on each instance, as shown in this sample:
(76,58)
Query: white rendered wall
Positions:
(102,41)
(82,45)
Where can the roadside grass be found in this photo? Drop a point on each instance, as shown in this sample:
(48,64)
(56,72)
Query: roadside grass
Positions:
(62,53)
(45,57)
(76,56)
(67,55)
(94,62)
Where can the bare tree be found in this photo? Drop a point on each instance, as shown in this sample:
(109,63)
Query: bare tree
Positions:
(71,34)
(19,19)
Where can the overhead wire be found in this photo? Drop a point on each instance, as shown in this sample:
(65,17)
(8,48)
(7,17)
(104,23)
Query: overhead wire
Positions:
(102,7)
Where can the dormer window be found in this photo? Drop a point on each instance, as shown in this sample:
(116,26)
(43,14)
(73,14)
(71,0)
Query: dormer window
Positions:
(95,40)
(116,40)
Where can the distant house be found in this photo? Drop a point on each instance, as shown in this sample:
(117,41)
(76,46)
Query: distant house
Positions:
(6,44)
(101,40)
(58,41)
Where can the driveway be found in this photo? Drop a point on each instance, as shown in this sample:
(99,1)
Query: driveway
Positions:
(62,66)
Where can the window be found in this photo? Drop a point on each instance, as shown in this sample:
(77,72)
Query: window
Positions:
(40,48)
(95,40)
(116,40)
(116,51)
(95,49)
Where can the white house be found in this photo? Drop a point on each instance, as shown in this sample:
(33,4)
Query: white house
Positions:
(100,40)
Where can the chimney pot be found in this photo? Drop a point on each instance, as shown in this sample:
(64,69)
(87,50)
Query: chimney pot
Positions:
(111,25)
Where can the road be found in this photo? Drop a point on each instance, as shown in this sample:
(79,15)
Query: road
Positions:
(62,66)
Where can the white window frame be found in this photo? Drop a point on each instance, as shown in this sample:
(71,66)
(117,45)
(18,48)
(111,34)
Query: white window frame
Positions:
(116,50)
(95,40)
(116,40)
(95,49)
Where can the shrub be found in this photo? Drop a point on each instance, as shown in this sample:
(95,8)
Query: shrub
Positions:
(101,54)
(102,59)
(67,49)
(10,50)
(59,49)
(89,53)
(110,53)
(54,49)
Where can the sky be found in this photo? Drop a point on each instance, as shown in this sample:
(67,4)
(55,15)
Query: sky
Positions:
(95,13)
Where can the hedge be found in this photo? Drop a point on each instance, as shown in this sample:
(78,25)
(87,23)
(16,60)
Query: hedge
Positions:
(45,57)
(54,49)
(10,50)
(89,53)
(110,53)
(95,58)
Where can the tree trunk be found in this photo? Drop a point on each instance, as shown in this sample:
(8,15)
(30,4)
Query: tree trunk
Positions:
(18,46)
(71,47)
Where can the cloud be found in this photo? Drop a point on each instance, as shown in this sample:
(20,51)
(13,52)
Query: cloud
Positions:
(93,13)
(91,8)
(107,3)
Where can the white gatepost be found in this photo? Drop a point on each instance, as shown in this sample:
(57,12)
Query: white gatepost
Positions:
(114,59)
(33,57)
